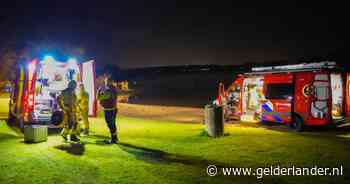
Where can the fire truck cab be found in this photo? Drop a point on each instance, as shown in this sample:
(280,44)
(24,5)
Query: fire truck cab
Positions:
(38,84)
(297,95)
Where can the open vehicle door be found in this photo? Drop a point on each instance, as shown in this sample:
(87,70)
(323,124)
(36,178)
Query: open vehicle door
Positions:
(88,79)
(337,94)
(234,99)
(347,96)
(252,89)
(15,105)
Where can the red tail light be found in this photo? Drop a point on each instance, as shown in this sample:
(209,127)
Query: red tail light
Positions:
(30,101)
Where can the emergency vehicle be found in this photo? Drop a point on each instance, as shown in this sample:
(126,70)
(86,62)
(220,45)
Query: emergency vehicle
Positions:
(38,84)
(307,94)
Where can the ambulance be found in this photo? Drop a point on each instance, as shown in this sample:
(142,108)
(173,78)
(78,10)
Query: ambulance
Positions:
(37,85)
(308,94)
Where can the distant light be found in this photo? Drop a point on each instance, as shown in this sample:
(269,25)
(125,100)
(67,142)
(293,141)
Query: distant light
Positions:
(48,59)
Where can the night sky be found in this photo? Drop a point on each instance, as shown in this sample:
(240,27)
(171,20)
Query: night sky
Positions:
(161,33)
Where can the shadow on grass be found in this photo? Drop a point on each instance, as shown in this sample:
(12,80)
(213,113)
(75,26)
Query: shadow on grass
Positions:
(72,148)
(54,131)
(204,133)
(327,133)
(158,156)
(325,130)
(101,140)
(5,136)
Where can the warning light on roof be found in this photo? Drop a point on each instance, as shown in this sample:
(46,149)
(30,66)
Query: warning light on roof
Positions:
(48,59)
(72,61)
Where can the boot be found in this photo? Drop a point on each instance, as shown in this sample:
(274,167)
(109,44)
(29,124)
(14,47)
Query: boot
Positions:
(64,137)
(74,138)
(113,140)
(64,134)
(85,132)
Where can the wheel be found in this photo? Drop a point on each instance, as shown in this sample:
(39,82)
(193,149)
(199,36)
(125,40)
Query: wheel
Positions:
(263,122)
(297,124)
(11,119)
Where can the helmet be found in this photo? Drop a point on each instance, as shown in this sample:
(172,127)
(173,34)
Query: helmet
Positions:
(72,84)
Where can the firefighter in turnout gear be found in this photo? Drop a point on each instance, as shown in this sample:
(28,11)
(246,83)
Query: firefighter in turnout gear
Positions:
(83,102)
(108,100)
(68,102)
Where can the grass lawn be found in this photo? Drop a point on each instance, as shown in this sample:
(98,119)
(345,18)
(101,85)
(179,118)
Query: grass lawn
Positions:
(168,152)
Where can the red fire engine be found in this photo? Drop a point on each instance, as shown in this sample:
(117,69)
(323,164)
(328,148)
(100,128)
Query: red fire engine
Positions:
(297,95)
(38,84)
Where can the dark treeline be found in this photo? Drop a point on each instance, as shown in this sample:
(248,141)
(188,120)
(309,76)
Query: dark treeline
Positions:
(151,72)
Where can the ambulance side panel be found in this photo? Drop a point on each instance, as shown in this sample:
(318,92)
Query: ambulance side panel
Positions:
(88,79)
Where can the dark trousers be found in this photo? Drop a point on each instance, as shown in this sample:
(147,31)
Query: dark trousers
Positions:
(110,117)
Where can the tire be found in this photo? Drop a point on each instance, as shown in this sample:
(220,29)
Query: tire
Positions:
(297,124)
(13,120)
(266,123)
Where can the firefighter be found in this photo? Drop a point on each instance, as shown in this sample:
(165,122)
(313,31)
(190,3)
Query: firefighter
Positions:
(67,101)
(108,100)
(83,103)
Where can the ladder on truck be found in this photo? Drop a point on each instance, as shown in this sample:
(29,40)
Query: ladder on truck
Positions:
(295,67)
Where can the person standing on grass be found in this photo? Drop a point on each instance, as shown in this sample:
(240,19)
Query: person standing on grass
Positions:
(108,100)
(83,102)
(67,101)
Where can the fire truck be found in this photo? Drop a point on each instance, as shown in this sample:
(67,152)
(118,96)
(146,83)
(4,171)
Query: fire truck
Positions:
(308,94)
(39,82)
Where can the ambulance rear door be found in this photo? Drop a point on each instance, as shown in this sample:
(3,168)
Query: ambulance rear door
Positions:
(234,99)
(347,96)
(88,76)
(16,99)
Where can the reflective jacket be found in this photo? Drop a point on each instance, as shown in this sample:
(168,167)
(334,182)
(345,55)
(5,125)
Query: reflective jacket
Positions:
(108,97)
(83,100)
(67,100)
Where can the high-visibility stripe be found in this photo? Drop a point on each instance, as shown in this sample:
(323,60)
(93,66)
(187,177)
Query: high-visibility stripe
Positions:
(268,106)
(20,90)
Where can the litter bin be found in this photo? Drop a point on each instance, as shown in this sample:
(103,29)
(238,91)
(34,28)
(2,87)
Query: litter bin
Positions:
(213,119)
(35,133)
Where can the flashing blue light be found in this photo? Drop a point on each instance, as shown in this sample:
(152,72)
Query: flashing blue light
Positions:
(48,59)
(72,60)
